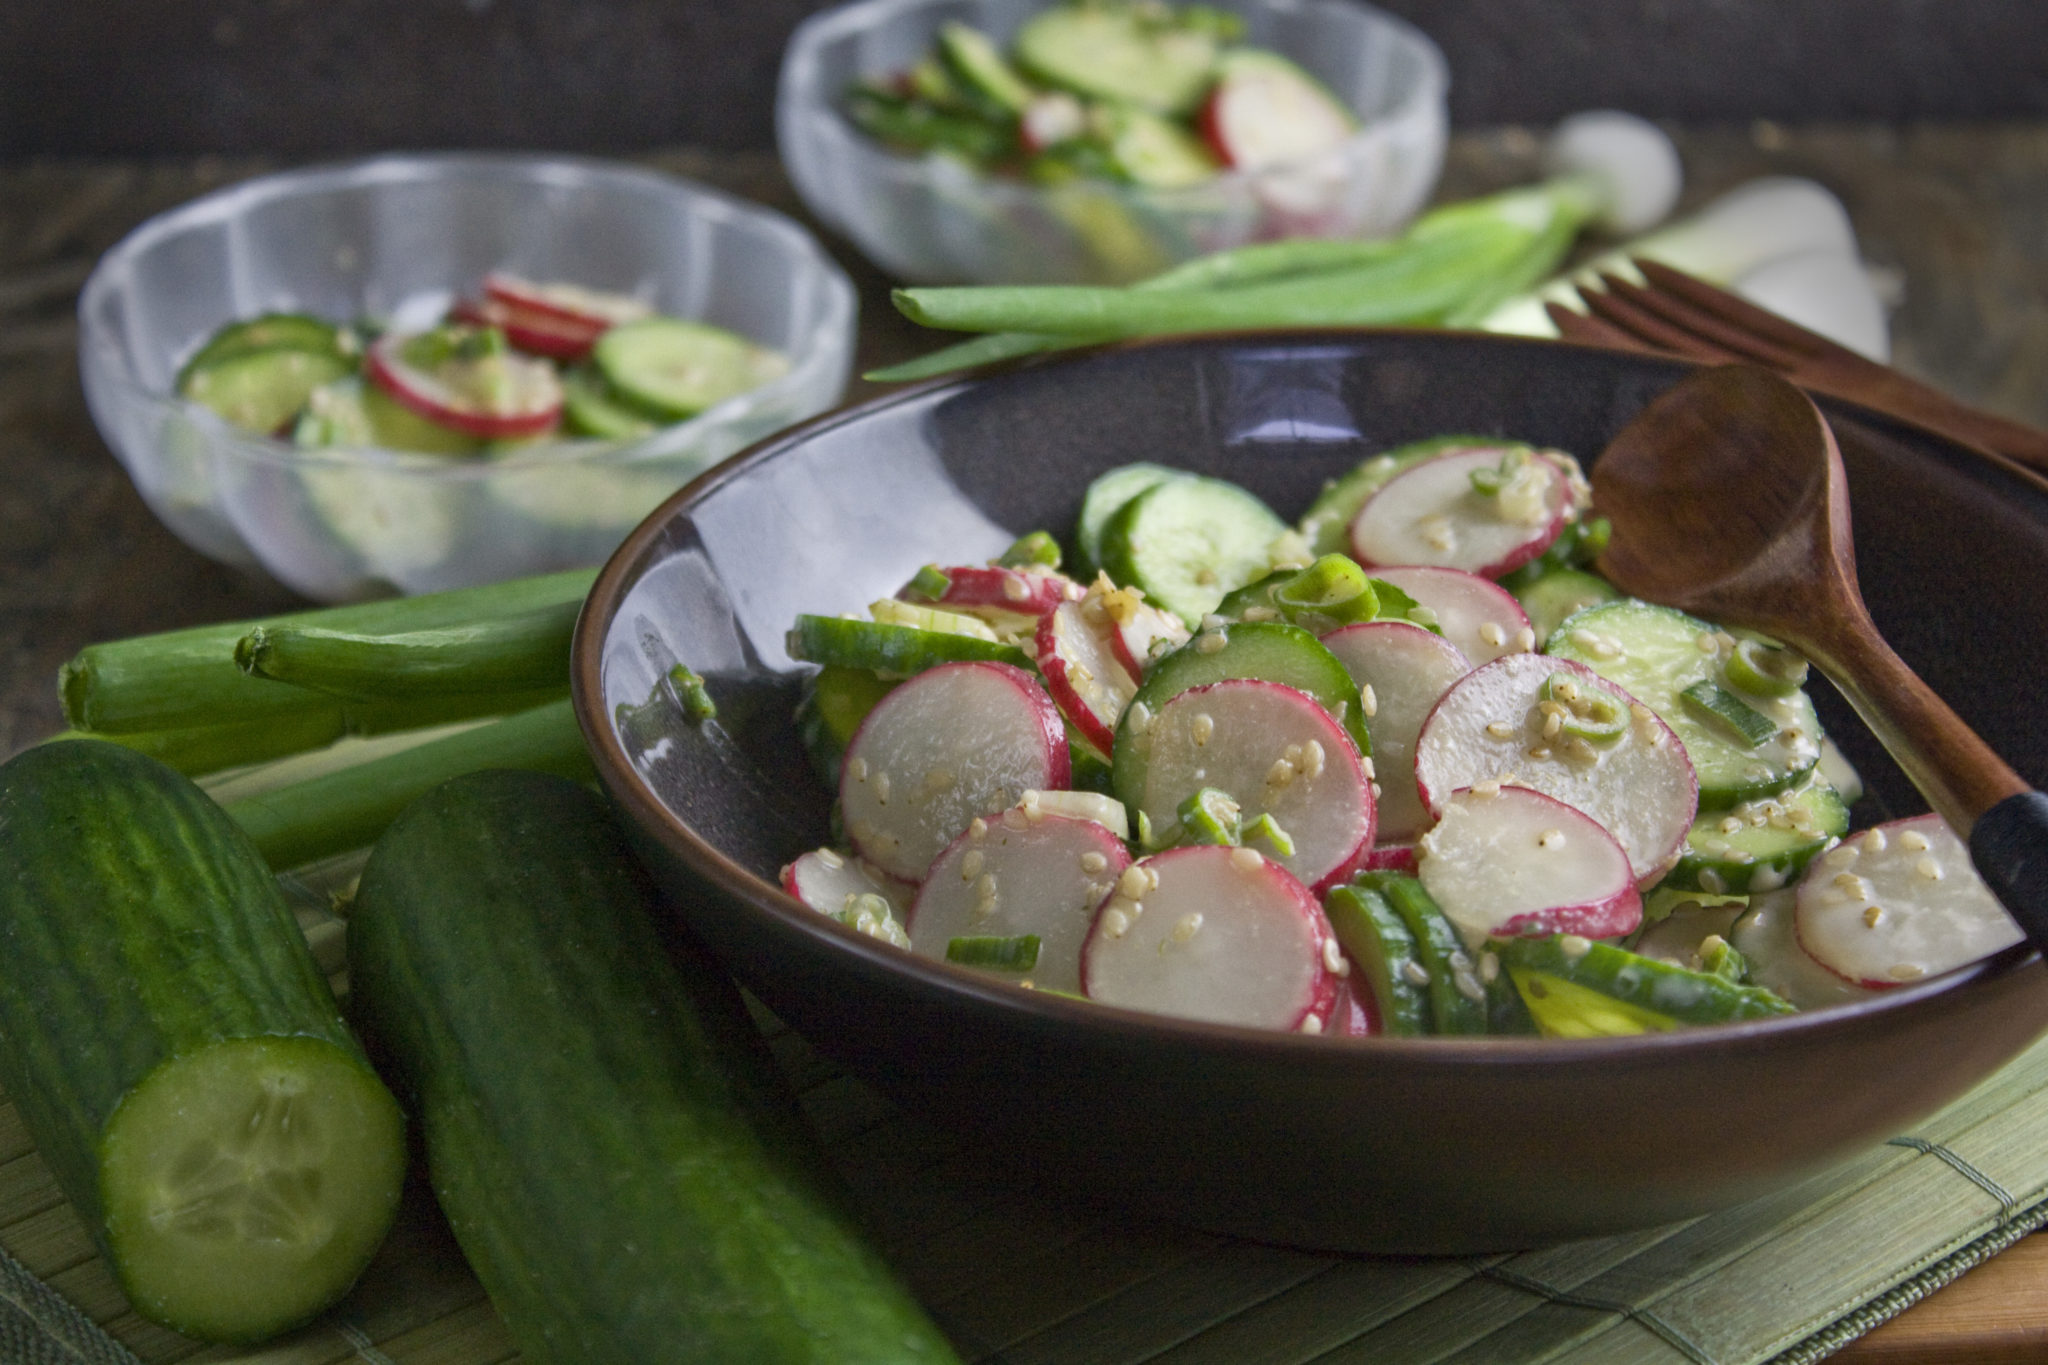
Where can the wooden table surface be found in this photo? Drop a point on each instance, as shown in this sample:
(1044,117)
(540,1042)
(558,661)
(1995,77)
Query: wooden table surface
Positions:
(1955,219)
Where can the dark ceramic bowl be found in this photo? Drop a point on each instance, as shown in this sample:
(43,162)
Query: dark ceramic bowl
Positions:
(1370,1144)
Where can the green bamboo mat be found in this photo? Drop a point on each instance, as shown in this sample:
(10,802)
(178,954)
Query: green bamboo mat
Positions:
(1020,1278)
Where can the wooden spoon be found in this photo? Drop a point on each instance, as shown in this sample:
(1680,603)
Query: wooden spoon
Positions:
(1729,500)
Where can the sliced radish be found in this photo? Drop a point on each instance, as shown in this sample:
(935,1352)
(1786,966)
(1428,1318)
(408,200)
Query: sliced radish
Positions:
(1025,872)
(1408,670)
(496,397)
(1141,633)
(566,302)
(1083,673)
(853,891)
(1677,938)
(1490,727)
(1390,858)
(1265,111)
(1432,514)
(1476,614)
(1106,811)
(1027,592)
(1767,936)
(1277,753)
(1221,934)
(1898,903)
(950,745)
(1354,1014)
(535,333)
(1509,862)
(1049,119)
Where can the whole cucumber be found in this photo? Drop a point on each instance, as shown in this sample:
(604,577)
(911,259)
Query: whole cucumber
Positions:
(607,1133)
(176,1053)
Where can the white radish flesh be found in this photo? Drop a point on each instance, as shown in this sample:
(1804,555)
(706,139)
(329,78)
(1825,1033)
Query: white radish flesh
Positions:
(852,891)
(1141,632)
(1898,903)
(1106,811)
(1276,752)
(1023,872)
(1219,934)
(1265,112)
(1509,861)
(1767,936)
(1431,514)
(1082,672)
(1476,614)
(950,744)
(1491,726)
(1408,669)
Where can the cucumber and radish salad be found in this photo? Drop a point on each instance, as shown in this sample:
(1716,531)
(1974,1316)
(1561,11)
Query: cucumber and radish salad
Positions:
(1127,91)
(520,363)
(1406,766)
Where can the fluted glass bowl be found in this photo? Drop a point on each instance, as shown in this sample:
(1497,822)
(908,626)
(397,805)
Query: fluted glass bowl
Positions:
(405,235)
(934,219)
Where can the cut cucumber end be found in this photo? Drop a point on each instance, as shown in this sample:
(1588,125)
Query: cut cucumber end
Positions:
(246,1185)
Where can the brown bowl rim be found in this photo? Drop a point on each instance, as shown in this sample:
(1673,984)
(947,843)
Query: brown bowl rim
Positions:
(616,771)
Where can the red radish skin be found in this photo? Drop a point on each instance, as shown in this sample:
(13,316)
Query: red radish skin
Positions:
(1489,727)
(1024,592)
(1214,933)
(1353,1015)
(1510,862)
(1083,673)
(433,400)
(1277,753)
(1476,614)
(566,302)
(950,745)
(1429,514)
(1142,633)
(1409,669)
(1390,858)
(1023,872)
(1899,903)
(535,333)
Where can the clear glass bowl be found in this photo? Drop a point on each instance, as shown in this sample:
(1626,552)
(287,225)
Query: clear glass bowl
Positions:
(934,219)
(403,235)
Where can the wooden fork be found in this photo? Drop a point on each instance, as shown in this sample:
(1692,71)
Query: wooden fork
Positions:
(1675,313)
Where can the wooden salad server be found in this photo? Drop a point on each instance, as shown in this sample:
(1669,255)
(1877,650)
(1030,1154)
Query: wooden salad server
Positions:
(1729,500)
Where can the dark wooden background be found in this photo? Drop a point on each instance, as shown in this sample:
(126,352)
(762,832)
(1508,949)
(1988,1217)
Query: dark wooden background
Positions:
(142,77)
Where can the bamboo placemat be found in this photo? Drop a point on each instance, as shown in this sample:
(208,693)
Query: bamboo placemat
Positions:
(1019,1278)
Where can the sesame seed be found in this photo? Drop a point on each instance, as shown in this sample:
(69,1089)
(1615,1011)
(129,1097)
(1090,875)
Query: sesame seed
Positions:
(1209,642)
(1486,789)
(1213,622)
(881,785)
(1311,1025)
(1132,883)
(831,859)
(1537,751)
(1574,946)
(977,829)
(1550,838)
(1280,774)
(971,865)
(1261,614)
(1712,882)
(1139,717)
(1906,971)
(1500,729)
(1205,576)
(1928,868)
(1186,927)
(1706,642)
(1467,984)
(1415,972)
(1015,588)
(1365,764)
(1567,691)
(1767,879)
(1312,753)
(1115,923)
(1731,824)
(1246,859)
(1840,856)
(1913,841)
(1376,792)
(1552,725)
(1369,700)
(1849,884)
(1014,819)
(1723,639)
(857,769)
(1525,640)
(1490,633)
(1871,915)
(985,886)
(1092,862)
(1334,960)
(1489,967)
(1873,841)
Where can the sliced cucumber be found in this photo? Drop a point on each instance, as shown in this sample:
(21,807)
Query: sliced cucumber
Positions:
(262,391)
(1382,951)
(1268,650)
(1550,597)
(1327,523)
(1655,654)
(1457,997)
(272,331)
(1188,541)
(891,649)
(1760,845)
(1106,496)
(978,65)
(359,416)
(589,408)
(1155,152)
(1120,52)
(917,126)
(835,701)
(673,369)
(1578,988)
